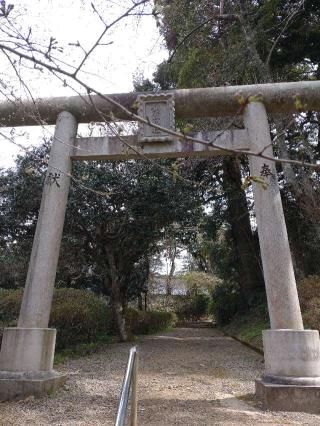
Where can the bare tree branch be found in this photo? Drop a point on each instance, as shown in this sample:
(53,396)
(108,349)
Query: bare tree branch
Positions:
(107,28)
(215,17)
(288,20)
(135,117)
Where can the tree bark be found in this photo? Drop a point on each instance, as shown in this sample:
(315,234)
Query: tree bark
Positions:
(146,301)
(172,253)
(140,305)
(116,300)
(250,269)
(117,310)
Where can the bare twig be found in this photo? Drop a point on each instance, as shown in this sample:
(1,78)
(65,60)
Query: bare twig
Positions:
(107,28)
(288,20)
(215,17)
(276,137)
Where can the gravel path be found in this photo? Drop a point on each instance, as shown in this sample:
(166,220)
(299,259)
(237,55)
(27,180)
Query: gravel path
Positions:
(186,377)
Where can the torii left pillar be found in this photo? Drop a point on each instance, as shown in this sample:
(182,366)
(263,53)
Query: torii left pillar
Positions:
(27,352)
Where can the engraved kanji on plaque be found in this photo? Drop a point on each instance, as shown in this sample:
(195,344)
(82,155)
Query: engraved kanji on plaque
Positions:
(157,109)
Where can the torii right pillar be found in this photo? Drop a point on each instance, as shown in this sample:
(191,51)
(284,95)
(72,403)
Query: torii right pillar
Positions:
(292,355)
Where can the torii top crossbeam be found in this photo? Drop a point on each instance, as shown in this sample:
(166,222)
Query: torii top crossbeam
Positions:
(189,103)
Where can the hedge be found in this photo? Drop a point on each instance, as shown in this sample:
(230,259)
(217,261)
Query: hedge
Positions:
(309,296)
(82,317)
(146,322)
(79,316)
(193,308)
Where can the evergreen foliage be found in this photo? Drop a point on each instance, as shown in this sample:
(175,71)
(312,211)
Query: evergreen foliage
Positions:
(147,322)
(252,43)
(82,317)
(79,316)
(110,233)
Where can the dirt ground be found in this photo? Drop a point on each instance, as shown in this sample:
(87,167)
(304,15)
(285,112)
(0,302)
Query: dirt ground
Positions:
(186,377)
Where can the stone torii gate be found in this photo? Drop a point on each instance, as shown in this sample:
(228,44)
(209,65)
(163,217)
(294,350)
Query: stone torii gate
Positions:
(292,354)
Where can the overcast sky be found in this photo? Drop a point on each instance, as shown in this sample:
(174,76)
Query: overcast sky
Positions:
(135,46)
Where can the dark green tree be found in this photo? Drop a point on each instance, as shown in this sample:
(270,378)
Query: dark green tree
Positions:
(248,42)
(109,233)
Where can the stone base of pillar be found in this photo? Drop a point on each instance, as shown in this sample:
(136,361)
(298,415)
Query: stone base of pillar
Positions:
(279,397)
(21,385)
(292,364)
(26,363)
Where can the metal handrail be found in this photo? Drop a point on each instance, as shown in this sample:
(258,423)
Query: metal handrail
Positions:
(129,381)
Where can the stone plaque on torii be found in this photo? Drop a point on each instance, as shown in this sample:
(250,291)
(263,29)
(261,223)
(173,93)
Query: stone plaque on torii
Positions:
(159,110)
(292,354)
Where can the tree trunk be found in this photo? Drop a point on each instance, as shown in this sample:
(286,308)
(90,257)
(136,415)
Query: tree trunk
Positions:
(172,253)
(116,300)
(117,310)
(145,300)
(250,269)
(140,305)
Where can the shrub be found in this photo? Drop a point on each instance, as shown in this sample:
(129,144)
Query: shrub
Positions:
(194,308)
(82,317)
(308,289)
(311,315)
(145,322)
(201,305)
(78,315)
(309,296)
(10,302)
(248,327)
(200,281)
(224,303)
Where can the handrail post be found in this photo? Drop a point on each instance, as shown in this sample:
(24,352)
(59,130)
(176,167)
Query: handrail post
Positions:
(134,394)
(130,381)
